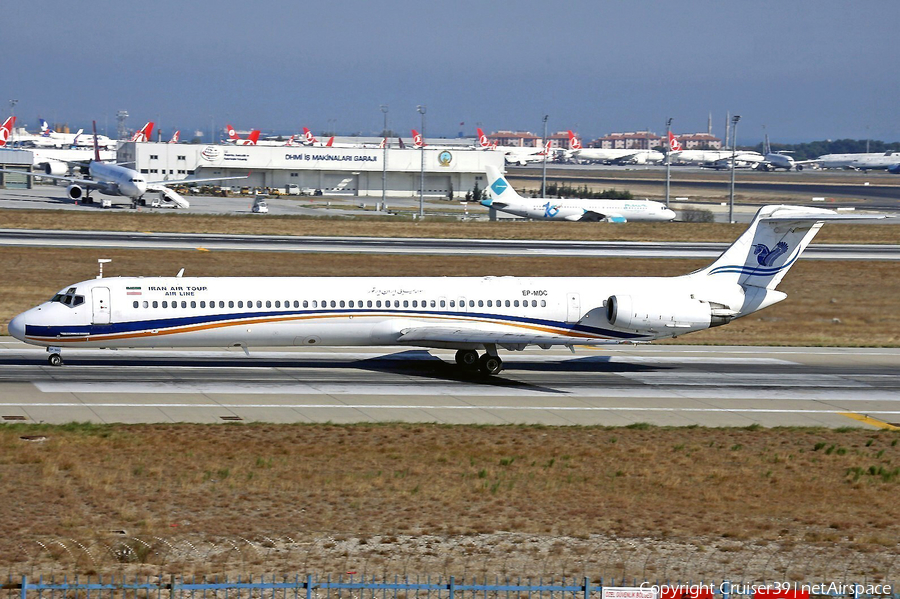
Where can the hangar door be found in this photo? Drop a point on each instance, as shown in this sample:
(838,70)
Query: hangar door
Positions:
(339,183)
(435,185)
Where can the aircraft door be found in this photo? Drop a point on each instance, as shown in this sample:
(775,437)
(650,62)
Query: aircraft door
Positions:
(573,307)
(100,302)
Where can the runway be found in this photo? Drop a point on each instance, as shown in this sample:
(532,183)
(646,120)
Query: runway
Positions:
(664,385)
(388,245)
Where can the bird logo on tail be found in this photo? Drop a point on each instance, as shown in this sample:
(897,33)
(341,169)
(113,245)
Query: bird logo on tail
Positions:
(765,256)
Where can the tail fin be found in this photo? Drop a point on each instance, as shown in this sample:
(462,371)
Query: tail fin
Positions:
(175,137)
(6,130)
(147,132)
(483,142)
(310,138)
(290,141)
(383,143)
(330,141)
(674,144)
(771,244)
(502,193)
(402,145)
(574,142)
(417,139)
(253,137)
(232,134)
(96,145)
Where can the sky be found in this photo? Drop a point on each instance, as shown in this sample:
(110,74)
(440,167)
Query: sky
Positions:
(800,70)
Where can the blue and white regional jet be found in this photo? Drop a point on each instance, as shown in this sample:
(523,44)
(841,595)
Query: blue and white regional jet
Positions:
(504,198)
(469,314)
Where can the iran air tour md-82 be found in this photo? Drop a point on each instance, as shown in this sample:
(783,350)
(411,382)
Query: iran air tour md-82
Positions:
(504,198)
(468,314)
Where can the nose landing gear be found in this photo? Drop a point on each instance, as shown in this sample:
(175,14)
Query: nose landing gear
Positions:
(55,357)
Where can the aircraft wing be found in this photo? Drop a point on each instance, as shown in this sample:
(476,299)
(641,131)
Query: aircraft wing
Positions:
(511,341)
(157,185)
(82,182)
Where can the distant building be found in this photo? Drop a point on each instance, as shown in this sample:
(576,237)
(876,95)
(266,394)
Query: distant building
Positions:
(632,140)
(560,140)
(699,141)
(521,139)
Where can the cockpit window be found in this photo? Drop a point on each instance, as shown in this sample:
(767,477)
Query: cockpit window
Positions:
(69,298)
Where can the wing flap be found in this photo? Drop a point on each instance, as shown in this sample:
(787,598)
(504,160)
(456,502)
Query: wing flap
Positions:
(512,341)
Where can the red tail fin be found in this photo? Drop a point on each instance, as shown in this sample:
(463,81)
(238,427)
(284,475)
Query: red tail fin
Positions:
(232,134)
(96,145)
(6,130)
(148,131)
(175,136)
(574,142)
(417,139)
(330,141)
(674,144)
(310,138)
(253,137)
(483,141)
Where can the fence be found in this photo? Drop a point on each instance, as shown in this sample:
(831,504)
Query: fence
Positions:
(313,587)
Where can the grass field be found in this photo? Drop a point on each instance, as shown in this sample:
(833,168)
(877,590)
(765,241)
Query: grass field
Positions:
(829,302)
(380,227)
(457,500)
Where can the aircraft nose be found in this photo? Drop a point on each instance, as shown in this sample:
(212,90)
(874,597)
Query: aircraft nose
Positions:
(16,327)
(670,214)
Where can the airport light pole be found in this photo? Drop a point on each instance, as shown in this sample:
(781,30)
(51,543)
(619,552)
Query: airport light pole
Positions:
(384,110)
(421,110)
(668,156)
(734,122)
(12,113)
(544,169)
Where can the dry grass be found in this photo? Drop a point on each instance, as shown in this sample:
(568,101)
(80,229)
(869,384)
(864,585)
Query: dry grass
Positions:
(380,227)
(470,486)
(862,296)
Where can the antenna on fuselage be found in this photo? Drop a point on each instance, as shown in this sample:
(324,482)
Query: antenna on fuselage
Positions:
(101,262)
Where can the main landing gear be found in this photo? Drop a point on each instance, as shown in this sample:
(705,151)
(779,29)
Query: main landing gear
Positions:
(55,357)
(489,363)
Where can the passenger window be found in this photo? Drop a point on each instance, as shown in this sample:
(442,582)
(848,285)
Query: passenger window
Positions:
(165,304)
(202,304)
(452,303)
(378,304)
(490,303)
(543,303)
(183,304)
(507,303)
(516,303)
(174,305)
(268,303)
(443,303)
(155,304)
(333,304)
(351,303)
(297,304)
(406,303)
(146,304)
(277,303)
(306,303)
(369,303)
(193,304)
(259,303)
(534,303)
(135,304)
(231,303)
(480,303)
(432,303)
(471,303)
(342,303)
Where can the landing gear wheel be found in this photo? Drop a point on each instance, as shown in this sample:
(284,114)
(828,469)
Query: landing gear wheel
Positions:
(489,364)
(55,360)
(467,358)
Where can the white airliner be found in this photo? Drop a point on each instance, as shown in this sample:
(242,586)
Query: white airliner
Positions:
(118,180)
(512,154)
(618,155)
(237,140)
(783,159)
(506,199)
(469,314)
(712,158)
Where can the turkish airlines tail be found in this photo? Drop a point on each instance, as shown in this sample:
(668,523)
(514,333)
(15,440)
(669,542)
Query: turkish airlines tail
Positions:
(574,142)
(144,133)
(6,130)
(232,134)
(330,141)
(175,137)
(483,142)
(253,137)
(674,144)
(310,138)
(417,139)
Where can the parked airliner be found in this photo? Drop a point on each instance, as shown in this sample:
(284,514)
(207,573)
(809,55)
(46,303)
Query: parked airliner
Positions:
(506,199)
(117,180)
(469,314)
(617,155)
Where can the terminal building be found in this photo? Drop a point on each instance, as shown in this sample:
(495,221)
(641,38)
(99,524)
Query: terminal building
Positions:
(357,171)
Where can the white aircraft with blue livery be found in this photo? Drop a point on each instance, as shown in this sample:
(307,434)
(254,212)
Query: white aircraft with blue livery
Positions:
(503,197)
(468,314)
